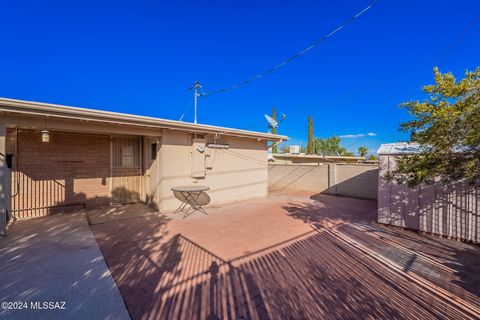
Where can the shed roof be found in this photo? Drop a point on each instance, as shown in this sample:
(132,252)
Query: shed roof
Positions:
(14,106)
(399,148)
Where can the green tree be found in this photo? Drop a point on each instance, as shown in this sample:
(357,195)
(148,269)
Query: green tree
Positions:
(447,129)
(311,139)
(330,147)
(274,129)
(362,151)
(372,157)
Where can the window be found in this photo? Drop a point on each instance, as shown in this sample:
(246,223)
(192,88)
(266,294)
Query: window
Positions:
(128,156)
(154,151)
(126,152)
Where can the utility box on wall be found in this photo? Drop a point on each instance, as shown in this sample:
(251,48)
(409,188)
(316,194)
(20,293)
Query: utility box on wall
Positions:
(198,158)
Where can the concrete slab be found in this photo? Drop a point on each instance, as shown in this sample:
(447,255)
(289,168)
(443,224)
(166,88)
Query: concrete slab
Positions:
(56,259)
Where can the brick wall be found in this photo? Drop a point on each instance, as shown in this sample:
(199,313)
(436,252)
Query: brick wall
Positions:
(71,169)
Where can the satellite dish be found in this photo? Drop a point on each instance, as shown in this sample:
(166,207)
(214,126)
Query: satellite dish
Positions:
(272,123)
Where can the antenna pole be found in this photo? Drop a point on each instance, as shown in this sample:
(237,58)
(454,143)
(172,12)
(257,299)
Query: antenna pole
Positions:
(196,86)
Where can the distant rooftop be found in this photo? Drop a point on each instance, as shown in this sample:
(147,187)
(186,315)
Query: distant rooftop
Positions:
(399,148)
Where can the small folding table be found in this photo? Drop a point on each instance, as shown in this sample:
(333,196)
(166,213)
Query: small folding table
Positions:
(189,196)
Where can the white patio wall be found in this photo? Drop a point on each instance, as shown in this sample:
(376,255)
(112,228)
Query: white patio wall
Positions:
(451,211)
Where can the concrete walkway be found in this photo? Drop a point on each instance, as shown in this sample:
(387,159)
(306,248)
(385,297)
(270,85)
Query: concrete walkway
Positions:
(56,259)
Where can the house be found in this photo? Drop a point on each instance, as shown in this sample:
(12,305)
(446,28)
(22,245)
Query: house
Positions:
(55,156)
(310,159)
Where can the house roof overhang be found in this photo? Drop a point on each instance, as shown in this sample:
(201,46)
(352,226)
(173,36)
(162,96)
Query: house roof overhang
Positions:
(21,107)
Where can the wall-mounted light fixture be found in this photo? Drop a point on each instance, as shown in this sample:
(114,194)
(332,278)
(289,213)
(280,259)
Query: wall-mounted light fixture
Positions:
(218,146)
(45,133)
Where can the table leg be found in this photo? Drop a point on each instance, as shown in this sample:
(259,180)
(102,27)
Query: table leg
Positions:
(181,207)
(192,199)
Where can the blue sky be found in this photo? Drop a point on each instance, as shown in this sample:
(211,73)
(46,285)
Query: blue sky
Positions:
(141,56)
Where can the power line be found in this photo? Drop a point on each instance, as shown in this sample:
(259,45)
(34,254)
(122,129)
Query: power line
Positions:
(356,142)
(446,52)
(185,111)
(298,54)
(459,39)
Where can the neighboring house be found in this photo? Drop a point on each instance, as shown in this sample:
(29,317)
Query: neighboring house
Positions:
(449,210)
(95,157)
(287,158)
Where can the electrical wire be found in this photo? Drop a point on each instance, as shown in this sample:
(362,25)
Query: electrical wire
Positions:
(448,50)
(185,111)
(298,54)
(458,40)
(356,142)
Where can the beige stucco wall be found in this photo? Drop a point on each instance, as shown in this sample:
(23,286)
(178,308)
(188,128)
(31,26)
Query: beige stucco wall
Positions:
(351,180)
(4,189)
(357,180)
(151,172)
(298,177)
(233,174)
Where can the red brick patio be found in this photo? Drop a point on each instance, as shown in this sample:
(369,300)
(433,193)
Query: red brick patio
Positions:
(289,256)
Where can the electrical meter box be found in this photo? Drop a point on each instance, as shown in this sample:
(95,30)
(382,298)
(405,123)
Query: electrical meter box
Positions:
(198,158)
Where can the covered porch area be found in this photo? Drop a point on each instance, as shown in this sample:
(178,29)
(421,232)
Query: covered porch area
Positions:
(70,164)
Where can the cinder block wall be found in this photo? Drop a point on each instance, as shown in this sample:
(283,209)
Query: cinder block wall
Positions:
(356,180)
(298,177)
(352,180)
(71,169)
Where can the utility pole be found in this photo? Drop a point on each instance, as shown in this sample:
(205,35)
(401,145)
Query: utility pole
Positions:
(196,94)
(274,129)
(311,138)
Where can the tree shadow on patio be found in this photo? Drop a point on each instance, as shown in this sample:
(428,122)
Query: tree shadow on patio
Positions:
(297,281)
(330,208)
(308,278)
(311,276)
(467,268)
(140,260)
(448,264)
(163,276)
